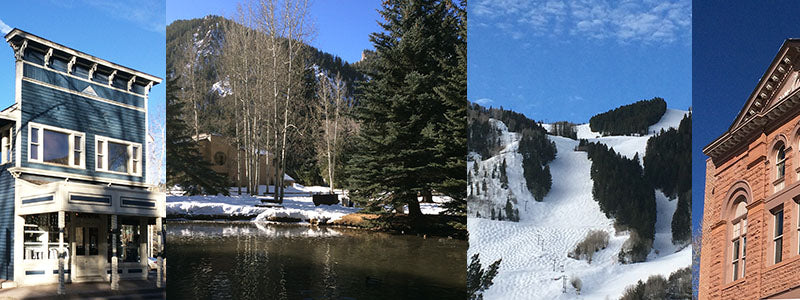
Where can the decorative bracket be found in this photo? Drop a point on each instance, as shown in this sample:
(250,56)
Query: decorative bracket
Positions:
(111,78)
(47,57)
(70,64)
(147,88)
(20,52)
(92,70)
(130,83)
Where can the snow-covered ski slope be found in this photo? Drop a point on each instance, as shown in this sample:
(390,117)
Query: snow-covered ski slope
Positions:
(534,250)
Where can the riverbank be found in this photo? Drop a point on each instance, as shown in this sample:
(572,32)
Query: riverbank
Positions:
(298,208)
(427,225)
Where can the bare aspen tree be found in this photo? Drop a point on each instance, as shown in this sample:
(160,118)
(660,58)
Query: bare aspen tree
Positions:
(263,60)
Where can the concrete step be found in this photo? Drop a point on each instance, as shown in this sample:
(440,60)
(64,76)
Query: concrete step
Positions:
(8,284)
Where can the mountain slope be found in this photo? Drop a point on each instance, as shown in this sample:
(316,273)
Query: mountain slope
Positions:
(534,251)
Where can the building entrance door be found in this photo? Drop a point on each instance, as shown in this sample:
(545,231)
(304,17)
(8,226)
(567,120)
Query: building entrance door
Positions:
(89,256)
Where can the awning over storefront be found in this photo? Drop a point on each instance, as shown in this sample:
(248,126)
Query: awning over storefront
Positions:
(88,198)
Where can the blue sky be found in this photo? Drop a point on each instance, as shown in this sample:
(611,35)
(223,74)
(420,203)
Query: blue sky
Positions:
(733,46)
(569,60)
(129,33)
(343,26)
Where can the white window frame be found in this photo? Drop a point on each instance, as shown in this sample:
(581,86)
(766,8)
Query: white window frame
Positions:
(777,237)
(7,146)
(104,156)
(780,163)
(740,236)
(71,144)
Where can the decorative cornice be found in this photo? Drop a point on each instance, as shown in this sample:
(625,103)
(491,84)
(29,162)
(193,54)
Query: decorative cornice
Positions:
(763,105)
(19,36)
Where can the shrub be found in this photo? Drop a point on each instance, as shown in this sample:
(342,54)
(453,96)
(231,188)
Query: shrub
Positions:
(635,249)
(677,287)
(595,241)
(577,284)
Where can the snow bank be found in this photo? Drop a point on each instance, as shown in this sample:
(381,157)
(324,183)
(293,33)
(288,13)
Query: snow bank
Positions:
(297,204)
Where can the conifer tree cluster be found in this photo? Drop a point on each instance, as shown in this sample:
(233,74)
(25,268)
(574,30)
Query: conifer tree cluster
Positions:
(668,166)
(186,167)
(622,191)
(629,119)
(565,129)
(534,146)
(535,166)
(411,109)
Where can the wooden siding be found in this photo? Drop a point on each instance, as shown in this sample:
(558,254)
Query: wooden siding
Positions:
(71,83)
(6,223)
(52,107)
(36,57)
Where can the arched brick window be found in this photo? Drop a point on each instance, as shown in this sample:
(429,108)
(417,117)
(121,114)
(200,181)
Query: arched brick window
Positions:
(780,161)
(734,213)
(739,240)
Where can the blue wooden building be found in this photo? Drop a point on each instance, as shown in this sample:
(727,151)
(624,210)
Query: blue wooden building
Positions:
(75,205)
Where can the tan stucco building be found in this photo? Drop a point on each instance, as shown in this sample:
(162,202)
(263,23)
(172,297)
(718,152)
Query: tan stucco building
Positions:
(751,219)
(220,152)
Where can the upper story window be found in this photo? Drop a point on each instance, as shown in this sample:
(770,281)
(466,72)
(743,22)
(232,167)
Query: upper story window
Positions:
(118,156)
(52,145)
(739,241)
(777,240)
(780,161)
(6,144)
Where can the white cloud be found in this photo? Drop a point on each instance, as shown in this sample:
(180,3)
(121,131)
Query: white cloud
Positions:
(644,21)
(484,101)
(4,28)
(145,14)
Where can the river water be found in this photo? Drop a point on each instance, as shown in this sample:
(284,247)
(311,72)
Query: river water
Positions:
(243,260)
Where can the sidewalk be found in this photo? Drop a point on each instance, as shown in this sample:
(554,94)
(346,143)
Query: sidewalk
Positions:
(130,289)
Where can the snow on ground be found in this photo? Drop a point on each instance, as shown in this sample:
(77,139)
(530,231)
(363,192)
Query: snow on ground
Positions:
(297,204)
(431,208)
(671,119)
(497,196)
(631,145)
(662,244)
(534,250)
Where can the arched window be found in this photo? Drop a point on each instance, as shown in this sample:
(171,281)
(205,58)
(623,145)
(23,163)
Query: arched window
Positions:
(219,158)
(780,161)
(739,240)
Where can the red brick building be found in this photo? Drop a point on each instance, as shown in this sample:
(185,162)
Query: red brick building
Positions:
(751,220)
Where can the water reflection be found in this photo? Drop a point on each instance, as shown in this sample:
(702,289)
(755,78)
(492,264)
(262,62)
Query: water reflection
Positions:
(266,261)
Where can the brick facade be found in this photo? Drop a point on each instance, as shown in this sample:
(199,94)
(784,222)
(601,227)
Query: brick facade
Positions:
(744,166)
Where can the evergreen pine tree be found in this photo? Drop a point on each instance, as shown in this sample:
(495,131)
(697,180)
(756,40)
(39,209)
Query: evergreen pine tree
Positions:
(186,167)
(452,136)
(401,151)
(503,177)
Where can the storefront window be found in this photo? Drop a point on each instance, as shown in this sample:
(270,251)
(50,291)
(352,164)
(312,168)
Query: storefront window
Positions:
(127,241)
(41,236)
(130,243)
